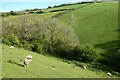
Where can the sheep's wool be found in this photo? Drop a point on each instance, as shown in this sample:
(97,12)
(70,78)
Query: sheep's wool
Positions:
(11,47)
(29,56)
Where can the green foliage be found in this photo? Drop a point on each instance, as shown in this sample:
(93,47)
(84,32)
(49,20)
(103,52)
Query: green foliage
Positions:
(11,40)
(26,45)
(5,14)
(48,36)
(40,12)
(49,7)
(5,40)
(90,54)
(37,46)
(83,54)
(13,13)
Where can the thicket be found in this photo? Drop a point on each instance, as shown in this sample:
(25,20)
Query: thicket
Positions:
(47,37)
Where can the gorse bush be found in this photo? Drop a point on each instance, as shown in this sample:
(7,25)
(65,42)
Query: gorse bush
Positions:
(47,36)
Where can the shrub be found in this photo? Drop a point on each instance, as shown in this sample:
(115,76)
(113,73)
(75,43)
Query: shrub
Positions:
(5,14)
(26,45)
(40,12)
(89,54)
(83,54)
(13,39)
(6,40)
(37,46)
(10,40)
(13,13)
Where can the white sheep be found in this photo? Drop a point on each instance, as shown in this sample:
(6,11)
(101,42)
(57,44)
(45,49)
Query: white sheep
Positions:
(27,60)
(11,47)
(84,67)
(118,52)
(109,74)
(29,56)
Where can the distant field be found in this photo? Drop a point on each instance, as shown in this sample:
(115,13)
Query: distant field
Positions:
(47,13)
(67,7)
(41,16)
(41,66)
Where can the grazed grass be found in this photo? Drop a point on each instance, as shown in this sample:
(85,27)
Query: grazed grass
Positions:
(41,66)
(96,24)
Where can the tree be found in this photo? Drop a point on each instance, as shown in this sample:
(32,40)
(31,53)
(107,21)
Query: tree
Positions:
(49,7)
(13,13)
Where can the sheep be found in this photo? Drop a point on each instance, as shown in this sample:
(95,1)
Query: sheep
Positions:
(84,67)
(27,60)
(118,52)
(11,47)
(109,74)
(29,56)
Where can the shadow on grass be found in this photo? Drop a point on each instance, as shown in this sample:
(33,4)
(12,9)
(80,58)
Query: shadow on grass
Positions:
(110,57)
(117,30)
(14,62)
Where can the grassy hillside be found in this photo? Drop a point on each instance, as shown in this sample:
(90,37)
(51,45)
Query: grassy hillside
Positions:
(41,66)
(96,24)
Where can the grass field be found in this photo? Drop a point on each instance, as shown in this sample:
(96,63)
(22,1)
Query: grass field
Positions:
(95,24)
(41,66)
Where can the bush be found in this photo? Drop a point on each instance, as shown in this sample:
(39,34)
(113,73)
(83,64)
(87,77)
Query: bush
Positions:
(37,46)
(5,14)
(13,39)
(40,12)
(5,40)
(10,40)
(89,54)
(13,13)
(26,45)
(83,54)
